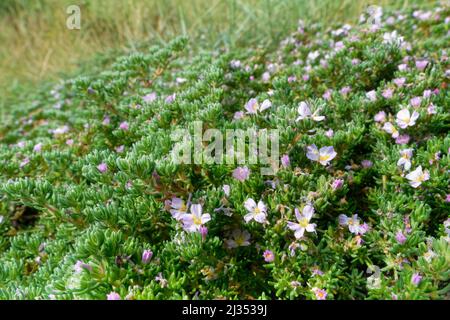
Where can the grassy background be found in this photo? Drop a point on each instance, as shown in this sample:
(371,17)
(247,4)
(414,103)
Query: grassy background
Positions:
(37,46)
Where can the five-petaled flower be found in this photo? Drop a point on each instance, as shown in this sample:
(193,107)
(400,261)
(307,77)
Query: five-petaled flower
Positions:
(178,208)
(256,212)
(389,128)
(303,221)
(323,156)
(241,173)
(405,159)
(320,294)
(268,256)
(113,296)
(193,221)
(353,223)
(417,176)
(253,107)
(406,119)
(238,238)
(305,112)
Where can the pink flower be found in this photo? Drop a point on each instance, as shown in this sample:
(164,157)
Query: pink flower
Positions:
(431,109)
(447,198)
(366,164)
(120,149)
(80,266)
(427,93)
(149,97)
(403,67)
(285,161)
(399,82)
(21,144)
(329,133)
(238,115)
(204,232)
(321,294)
(69,142)
(193,221)
(113,296)
(380,117)
(292,79)
(400,237)
(387,93)
(345,90)
(38,147)
(317,272)
(124,126)
(102,167)
(337,184)
(421,64)
(146,256)
(171,98)
(402,139)
(268,256)
(416,278)
(24,162)
(327,95)
(241,173)
(106,120)
(415,102)
(253,107)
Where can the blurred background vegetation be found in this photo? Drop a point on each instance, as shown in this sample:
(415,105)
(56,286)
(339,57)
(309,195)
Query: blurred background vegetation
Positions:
(37,47)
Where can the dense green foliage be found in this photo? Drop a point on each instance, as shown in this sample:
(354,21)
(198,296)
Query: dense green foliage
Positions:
(86,181)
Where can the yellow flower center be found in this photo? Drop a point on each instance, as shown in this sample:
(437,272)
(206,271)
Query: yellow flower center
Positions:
(324,157)
(239,240)
(257,210)
(303,222)
(196,220)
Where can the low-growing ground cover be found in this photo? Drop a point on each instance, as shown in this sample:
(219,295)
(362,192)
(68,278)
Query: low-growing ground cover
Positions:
(93,205)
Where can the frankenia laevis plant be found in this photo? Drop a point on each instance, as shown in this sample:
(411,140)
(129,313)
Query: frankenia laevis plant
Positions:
(94,206)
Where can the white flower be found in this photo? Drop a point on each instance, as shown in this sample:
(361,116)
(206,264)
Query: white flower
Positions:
(405,159)
(353,223)
(392,38)
(253,107)
(313,55)
(371,95)
(429,255)
(417,176)
(323,156)
(255,212)
(405,119)
(389,128)
(303,221)
(238,238)
(179,208)
(192,222)
(305,112)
